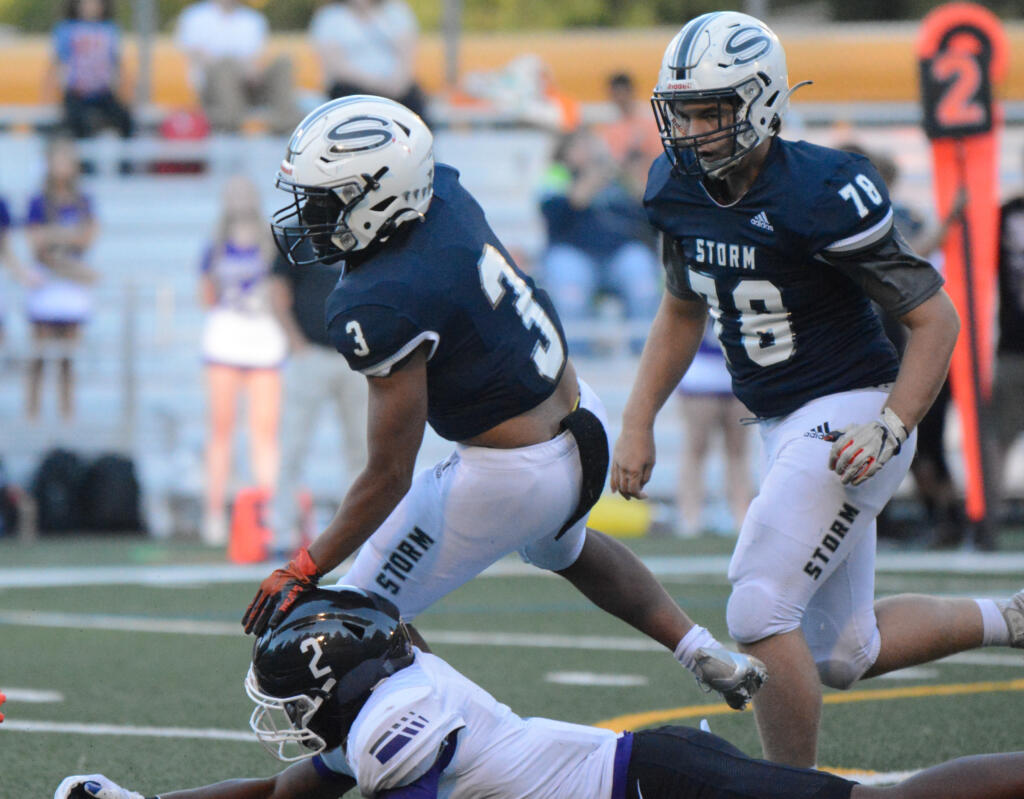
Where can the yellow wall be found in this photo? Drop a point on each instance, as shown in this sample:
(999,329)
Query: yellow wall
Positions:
(845,64)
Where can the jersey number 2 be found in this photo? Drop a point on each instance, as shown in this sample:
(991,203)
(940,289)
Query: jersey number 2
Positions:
(495,274)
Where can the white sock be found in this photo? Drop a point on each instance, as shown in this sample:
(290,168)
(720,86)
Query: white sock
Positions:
(995,632)
(697,638)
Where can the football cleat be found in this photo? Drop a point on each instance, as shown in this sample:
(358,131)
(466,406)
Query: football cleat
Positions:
(735,676)
(1013,612)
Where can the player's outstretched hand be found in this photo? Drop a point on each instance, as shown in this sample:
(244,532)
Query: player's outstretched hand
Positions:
(632,462)
(864,448)
(735,676)
(279,591)
(92,786)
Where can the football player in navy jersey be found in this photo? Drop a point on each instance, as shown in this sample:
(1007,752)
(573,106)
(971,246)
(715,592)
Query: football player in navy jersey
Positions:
(340,689)
(785,243)
(448,331)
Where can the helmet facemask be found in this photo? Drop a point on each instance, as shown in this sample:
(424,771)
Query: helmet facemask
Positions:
(733,105)
(285,726)
(320,216)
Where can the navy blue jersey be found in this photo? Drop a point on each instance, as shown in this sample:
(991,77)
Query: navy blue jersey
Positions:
(497,347)
(781,272)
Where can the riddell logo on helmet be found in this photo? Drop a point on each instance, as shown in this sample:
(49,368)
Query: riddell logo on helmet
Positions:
(679,85)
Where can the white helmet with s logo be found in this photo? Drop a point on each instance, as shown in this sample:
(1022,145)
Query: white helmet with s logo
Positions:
(729,58)
(357,168)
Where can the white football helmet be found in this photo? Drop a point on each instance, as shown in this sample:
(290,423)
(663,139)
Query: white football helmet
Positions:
(732,59)
(357,168)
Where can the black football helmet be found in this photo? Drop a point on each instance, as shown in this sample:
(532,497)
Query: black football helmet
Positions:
(312,673)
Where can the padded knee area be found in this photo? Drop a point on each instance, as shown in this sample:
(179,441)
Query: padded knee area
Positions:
(754,612)
(840,674)
(840,653)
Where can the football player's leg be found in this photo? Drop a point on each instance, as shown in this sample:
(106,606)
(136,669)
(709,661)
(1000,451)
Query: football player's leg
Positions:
(919,629)
(839,623)
(796,533)
(997,776)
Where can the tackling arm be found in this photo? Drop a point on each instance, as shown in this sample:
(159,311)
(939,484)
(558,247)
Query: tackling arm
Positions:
(396,421)
(671,345)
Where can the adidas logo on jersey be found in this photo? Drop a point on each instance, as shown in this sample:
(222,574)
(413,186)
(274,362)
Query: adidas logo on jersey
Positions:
(761,221)
(822,431)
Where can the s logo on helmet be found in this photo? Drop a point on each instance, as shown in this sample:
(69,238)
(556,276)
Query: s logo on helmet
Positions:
(360,134)
(747,44)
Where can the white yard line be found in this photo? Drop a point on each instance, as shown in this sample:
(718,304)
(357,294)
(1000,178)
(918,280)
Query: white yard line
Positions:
(76,728)
(988,563)
(602,643)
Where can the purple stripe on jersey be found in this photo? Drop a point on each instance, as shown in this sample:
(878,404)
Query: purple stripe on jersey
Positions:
(620,768)
(392,747)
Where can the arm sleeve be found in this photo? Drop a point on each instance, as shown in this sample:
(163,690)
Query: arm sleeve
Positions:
(675,270)
(890,273)
(374,338)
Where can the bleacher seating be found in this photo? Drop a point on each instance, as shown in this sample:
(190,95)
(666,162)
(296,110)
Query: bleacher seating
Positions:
(140,380)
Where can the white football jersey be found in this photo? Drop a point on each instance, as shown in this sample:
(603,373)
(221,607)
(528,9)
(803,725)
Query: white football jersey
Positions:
(398,734)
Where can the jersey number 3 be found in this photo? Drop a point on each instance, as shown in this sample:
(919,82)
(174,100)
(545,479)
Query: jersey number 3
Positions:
(495,274)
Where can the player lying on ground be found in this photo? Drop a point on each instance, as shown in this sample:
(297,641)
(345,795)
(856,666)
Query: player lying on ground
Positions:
(339,687)
(448,331)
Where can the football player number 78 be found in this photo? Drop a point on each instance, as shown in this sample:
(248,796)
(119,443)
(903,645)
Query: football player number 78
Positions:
(495,275)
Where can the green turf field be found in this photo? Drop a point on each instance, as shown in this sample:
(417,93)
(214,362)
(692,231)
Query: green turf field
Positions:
(157,670)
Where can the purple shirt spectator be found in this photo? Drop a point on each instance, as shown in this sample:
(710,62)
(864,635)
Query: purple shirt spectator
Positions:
(90,52)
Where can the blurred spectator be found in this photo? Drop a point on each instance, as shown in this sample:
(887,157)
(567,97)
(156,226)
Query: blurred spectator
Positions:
(315,376)
(368,47)
(1008,391)
(7,257)
(598,237)
(226,42)
(523,91)
(633,133)
(87,68)
(708,406)
(243,347)
(61,228)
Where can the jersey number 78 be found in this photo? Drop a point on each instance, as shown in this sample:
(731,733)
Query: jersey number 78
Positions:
(761,320)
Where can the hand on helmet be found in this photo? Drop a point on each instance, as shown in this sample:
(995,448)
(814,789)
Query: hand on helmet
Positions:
(735,676)
(279,591)
(865,448)
(92,786)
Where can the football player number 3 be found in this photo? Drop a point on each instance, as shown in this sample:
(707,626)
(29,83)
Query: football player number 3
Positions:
(495,275)
(765,331)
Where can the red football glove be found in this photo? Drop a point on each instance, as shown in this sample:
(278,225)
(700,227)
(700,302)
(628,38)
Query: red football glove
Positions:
(279,591)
